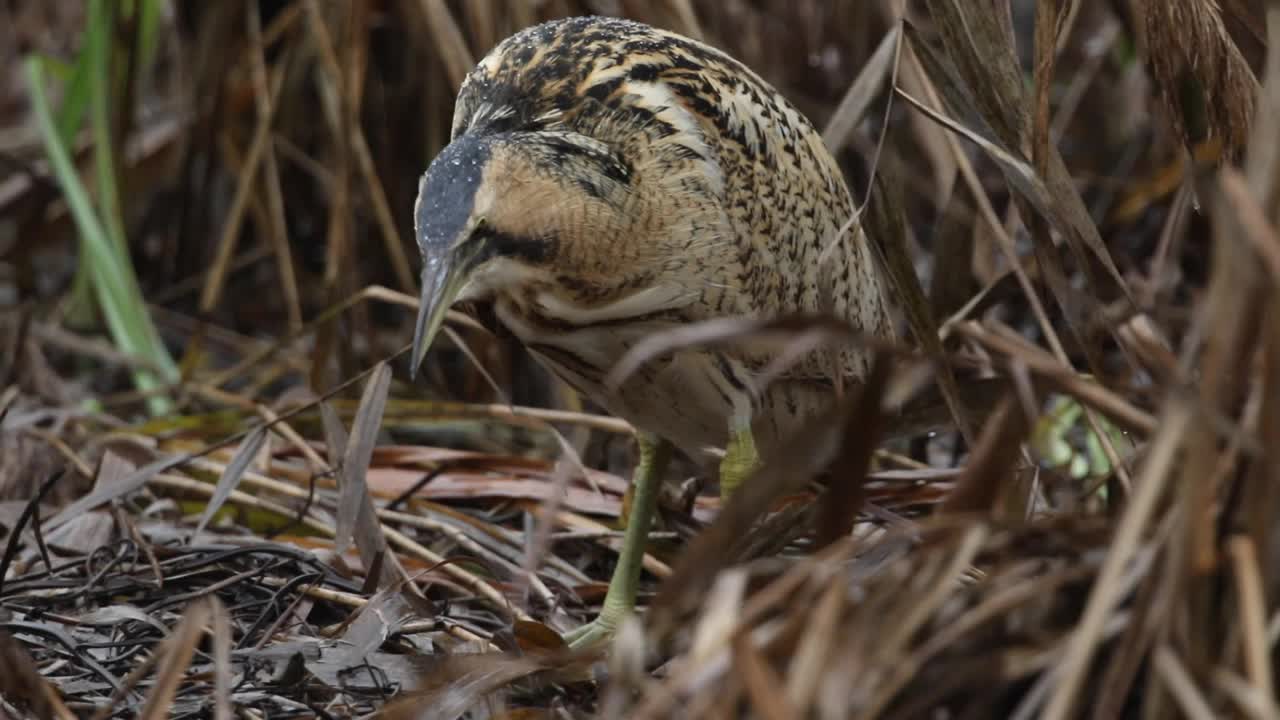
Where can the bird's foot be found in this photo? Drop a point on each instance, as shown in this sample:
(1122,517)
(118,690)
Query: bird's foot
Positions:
(600,630)
(740,459)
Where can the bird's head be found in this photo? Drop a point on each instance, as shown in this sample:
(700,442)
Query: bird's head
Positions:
(498,210)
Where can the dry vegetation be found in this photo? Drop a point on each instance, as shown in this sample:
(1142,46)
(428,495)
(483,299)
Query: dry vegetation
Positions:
(217,498)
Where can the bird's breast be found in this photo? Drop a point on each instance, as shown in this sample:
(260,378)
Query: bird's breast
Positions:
(685,397)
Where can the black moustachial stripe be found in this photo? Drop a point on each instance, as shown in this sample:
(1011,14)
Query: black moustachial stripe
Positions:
(495,243)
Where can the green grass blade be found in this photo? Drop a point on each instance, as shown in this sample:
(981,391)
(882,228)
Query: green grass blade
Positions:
(114,282)
(149,12)
(103,86)
(82,307)
(98,45)
(75,93)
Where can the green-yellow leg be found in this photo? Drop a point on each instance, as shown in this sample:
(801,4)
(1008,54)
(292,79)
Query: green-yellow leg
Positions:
(740,458)
(620,600)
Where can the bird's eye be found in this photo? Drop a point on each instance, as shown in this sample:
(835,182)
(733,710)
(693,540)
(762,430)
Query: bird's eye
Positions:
(478,229)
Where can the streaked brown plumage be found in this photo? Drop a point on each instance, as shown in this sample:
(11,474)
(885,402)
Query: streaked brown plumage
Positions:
(606,180)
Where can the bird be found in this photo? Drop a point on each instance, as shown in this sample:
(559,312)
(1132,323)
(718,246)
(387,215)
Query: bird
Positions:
(605,180)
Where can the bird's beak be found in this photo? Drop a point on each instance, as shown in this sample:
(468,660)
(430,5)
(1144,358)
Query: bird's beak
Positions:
(440,285)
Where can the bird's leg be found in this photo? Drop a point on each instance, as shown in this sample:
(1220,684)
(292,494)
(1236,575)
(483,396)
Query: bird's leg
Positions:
(740,456)
(620,600)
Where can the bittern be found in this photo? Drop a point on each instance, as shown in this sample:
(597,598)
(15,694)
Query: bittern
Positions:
(606,180)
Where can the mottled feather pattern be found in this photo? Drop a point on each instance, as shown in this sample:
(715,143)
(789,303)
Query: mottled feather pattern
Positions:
(730,198)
